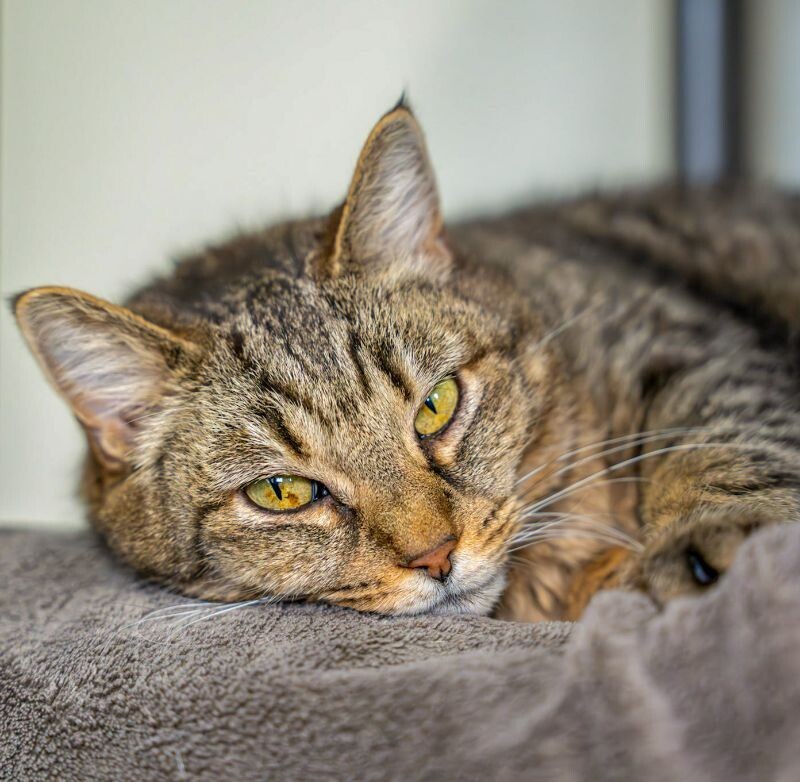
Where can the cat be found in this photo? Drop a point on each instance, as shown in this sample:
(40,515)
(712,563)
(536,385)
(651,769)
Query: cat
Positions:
(507,415)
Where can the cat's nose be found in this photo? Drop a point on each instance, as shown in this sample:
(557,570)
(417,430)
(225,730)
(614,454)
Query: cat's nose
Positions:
(436,561)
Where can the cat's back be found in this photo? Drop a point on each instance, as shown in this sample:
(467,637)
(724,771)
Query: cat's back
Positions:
(735,247)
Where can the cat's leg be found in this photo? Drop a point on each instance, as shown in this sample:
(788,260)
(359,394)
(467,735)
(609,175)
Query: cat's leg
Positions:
(737,470)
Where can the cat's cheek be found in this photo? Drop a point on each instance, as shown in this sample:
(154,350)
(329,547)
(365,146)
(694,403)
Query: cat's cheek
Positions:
(279,554)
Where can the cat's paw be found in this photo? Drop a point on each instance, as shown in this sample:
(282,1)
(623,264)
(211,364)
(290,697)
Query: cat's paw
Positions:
(694,553)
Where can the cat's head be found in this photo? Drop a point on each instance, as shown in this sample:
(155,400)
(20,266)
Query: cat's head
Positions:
(347,431)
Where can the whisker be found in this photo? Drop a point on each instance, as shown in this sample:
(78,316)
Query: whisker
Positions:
(563,326)
(183,606)
(583,517)
(225,610)
(606,452)
(630,440)
(627,463)
(578,486)
(168,612)
(570,523)
(566,535)
(581,523)
(184,614)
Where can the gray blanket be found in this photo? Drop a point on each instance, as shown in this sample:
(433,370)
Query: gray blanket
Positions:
(706,689)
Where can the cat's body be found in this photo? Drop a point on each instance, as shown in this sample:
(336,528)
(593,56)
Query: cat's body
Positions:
(628,401)
(684,303)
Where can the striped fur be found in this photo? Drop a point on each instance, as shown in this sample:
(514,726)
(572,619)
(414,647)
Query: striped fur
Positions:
(658,326)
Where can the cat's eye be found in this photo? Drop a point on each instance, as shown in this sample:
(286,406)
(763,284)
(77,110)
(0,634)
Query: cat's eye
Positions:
(703,574)
(285,492)
(438,408)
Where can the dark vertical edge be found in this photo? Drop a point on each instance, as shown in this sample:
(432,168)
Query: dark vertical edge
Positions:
(709,89)
(678,88)
(735,89)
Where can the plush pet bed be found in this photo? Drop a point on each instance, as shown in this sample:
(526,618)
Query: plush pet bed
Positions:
(98,680)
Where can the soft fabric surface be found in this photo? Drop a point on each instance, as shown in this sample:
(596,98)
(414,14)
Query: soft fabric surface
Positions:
(706,689)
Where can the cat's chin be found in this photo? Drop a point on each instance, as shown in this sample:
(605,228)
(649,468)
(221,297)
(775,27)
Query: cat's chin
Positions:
(473,588)
(477,601)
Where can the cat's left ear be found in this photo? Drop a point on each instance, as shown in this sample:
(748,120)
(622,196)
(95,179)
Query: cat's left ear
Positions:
(113,367)
(391,219)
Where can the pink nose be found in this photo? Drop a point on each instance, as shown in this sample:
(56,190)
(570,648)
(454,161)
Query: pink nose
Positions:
(436,561)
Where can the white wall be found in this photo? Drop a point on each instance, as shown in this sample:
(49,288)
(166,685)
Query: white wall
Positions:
(773,89)
(133,130)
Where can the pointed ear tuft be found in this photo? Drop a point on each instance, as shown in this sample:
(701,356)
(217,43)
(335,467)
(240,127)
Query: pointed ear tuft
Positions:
(111,365)
(391,219)
(402,103)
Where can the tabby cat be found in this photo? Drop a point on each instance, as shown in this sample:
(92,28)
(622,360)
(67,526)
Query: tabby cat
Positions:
(371,410)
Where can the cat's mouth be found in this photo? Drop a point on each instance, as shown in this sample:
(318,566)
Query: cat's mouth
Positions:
(473,587)
(478,599)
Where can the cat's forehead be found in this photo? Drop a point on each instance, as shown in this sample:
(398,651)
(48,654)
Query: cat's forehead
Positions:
(297,328)
(299,365)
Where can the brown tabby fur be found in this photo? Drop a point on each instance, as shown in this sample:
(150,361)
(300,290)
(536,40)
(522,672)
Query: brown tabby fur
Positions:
(307,348)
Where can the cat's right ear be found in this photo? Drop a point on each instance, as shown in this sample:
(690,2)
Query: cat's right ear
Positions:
(112,366)
(391,220)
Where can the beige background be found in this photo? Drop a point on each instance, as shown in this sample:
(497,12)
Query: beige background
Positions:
(132,131)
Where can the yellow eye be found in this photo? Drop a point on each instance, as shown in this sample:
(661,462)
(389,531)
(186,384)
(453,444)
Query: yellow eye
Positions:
(284,492)
(438,408)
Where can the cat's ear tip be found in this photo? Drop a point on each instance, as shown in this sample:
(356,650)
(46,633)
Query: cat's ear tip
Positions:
(21,301)
(402,103)
(401,109)
(15,299)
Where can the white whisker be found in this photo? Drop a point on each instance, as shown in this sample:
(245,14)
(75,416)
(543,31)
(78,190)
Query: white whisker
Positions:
(607,452)
(626,463)
(563,327)
(182,625)
(566,535)
(580,523)
(168,612)
(630,440)
(545,502)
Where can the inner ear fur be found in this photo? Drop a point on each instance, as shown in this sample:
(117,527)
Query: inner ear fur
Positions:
(111,365)
(391,219)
